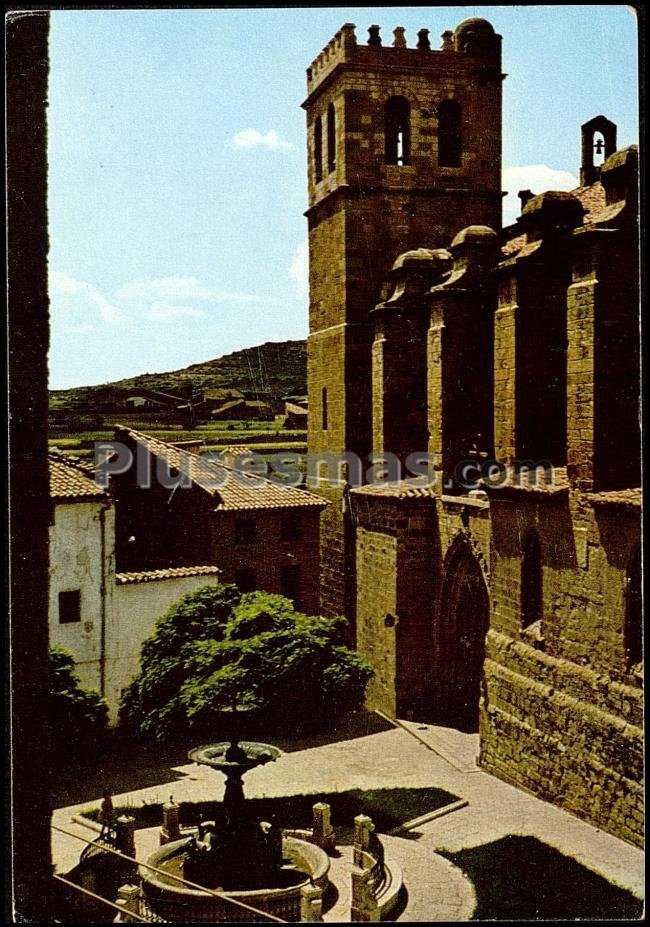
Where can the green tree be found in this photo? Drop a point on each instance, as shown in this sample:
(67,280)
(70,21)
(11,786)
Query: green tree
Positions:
(217,646)
(79,718)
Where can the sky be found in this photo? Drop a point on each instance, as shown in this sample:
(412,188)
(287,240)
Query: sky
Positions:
(177,165)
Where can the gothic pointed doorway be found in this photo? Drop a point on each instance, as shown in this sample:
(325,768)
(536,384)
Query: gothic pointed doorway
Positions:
(463,624)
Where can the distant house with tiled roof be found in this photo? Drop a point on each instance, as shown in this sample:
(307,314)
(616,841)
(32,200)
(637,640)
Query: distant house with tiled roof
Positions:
(295,415)
(102,617)
(175,508)
(244,410)
(213,398)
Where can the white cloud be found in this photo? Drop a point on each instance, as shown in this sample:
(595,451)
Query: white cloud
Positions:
(79,307)
(253,138)
(172,288)
(535,177)
(299,268)
(161,312)
(80,301)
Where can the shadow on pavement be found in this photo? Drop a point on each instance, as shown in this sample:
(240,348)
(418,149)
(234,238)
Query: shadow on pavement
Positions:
(126,765)
(388,809)
(523,878)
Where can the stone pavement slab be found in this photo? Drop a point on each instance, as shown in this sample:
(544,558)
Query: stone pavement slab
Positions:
(394,759)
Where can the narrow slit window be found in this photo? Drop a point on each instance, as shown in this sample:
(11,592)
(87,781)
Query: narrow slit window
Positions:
(531,580)
(318,149)
(331,138)
(633,613)
(398,131)
(324,410)
(449,134)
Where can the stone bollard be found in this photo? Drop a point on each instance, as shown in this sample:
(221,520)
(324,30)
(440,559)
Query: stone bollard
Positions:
(363,904)
(128,898)
(171,826)
(363,827)
(322,831)
(125,835)
(311,904)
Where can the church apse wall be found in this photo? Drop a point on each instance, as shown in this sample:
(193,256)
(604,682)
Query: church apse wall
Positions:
(509,603)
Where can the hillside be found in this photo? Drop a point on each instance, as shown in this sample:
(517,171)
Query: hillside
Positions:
(267,371)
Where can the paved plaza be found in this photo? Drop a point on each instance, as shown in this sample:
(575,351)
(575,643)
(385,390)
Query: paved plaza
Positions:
(499,828)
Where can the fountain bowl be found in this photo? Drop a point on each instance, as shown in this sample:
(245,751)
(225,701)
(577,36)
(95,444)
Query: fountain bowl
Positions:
(180,903)
(227,756)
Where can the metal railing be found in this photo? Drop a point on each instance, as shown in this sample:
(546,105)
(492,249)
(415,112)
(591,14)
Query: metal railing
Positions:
(111,904)
(222,896)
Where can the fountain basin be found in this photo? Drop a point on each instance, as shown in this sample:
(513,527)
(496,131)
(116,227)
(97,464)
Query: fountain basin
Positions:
(173,901)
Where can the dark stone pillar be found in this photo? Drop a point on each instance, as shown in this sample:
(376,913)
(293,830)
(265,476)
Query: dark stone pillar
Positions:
(27,76)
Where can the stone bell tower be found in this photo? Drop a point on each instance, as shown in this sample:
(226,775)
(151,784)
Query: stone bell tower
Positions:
(404,151)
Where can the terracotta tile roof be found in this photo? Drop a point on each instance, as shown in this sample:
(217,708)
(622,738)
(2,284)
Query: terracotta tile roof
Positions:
(629,497)
(521,248)
(223,393)
(237,450)
(401,490)
(592,198)
(153,576)
(514,245)
(233,404)
(232,489)
(526,481)
(295,409)
(71,480)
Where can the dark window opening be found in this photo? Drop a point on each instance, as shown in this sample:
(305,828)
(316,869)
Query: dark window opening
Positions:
(70,606)
(246,579)
(290,583)
(244,531)
(290,529)
(331,138)
(633,612)
(398,131)
(324,409)
(318,149)
(532,589)
(449,134)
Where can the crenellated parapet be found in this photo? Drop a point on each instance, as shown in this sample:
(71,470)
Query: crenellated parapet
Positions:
(473,41)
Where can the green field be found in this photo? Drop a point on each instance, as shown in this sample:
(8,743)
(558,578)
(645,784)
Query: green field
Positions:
(266,437)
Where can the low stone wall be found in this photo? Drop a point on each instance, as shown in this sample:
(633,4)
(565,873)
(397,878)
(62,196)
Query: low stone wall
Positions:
(564,733)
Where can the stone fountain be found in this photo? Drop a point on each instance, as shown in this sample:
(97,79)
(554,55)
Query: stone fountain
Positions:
(236,855)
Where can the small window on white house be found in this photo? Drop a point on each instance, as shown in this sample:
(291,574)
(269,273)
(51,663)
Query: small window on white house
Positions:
(70,606)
